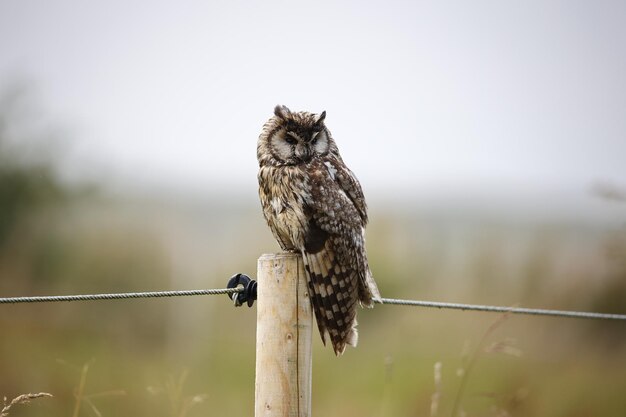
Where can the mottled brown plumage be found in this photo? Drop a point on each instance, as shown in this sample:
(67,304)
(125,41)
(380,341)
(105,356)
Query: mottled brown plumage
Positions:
(314,204)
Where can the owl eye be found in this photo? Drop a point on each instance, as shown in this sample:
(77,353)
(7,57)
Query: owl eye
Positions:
(290,140)
(314,141)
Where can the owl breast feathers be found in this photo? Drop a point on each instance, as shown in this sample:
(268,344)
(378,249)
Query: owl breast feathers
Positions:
(314,204)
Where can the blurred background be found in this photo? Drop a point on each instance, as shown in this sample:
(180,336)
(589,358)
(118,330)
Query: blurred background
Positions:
(490,140)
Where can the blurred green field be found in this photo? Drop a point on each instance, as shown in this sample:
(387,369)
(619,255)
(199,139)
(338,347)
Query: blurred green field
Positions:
(151,357)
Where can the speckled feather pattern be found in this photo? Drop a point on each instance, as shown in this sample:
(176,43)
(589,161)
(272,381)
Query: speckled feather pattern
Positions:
(314,204)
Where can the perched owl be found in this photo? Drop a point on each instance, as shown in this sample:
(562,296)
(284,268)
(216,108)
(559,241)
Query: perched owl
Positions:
(314,205)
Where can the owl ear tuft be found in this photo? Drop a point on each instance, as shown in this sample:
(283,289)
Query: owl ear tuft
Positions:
(319,119)
(282,111)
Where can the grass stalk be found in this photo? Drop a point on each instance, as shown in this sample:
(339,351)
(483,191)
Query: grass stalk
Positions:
(472,361)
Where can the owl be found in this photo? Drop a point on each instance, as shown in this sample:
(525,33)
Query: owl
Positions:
(314,205)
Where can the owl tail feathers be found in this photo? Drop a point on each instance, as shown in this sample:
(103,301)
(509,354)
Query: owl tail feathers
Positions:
(333,299)
(340,343)
(352,339)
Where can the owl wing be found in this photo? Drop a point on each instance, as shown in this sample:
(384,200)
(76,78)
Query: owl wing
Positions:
(334,253)
(350,185)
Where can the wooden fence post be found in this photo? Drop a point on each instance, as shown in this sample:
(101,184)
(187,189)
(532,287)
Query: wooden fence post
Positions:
(283,338)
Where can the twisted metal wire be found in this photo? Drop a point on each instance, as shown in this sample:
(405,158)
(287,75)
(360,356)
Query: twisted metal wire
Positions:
(117,296)
(389,301)
(499,309)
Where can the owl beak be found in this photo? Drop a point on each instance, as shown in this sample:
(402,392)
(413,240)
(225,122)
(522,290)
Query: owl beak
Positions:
(303,154)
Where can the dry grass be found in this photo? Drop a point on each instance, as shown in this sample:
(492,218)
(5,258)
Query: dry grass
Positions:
(20,399)
(80,397)
(466,370)
(436,397)
(469,359)
(179,404)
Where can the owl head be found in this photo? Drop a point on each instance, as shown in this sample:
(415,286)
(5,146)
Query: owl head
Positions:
(293,138)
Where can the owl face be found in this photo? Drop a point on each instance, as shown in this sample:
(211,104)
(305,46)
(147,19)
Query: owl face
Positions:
(297,138)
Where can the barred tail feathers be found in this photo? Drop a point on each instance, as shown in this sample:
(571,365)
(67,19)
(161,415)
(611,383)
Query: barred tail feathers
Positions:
(333,296)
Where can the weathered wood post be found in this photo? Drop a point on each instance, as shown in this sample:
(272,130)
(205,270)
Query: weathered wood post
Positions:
(283,338)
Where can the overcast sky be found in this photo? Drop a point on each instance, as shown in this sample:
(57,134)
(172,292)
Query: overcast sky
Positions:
(522,94)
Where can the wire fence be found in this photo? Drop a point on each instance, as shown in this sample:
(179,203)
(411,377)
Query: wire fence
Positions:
(502,309)
(117,296)
(384,301)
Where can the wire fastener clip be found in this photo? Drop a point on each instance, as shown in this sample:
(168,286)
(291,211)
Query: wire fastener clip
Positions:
(248,293)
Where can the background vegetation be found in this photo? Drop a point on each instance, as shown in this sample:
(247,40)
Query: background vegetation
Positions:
(195,356)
